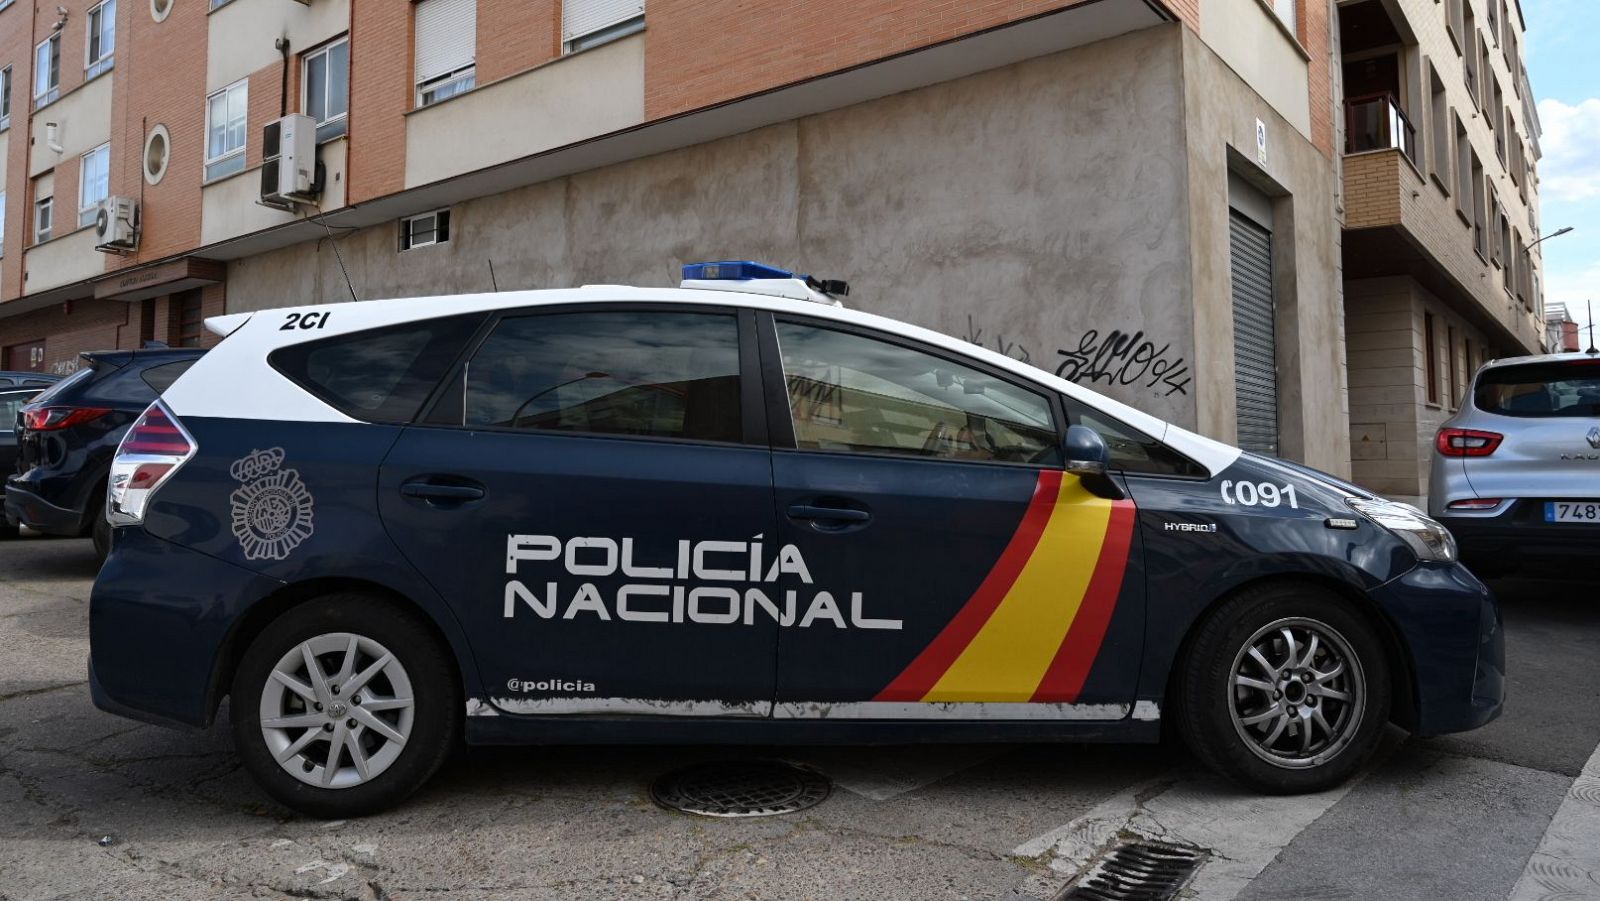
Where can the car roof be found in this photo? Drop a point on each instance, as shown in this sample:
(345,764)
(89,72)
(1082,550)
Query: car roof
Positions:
(1541,358)
(250,337)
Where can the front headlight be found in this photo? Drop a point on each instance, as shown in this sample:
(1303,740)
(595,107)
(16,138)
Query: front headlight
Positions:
(1427,539)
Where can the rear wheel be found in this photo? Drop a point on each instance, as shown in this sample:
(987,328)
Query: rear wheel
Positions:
(1285,689)
(100,532)
(344,706)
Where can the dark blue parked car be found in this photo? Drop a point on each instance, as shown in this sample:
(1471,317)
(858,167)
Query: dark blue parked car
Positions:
(67,436)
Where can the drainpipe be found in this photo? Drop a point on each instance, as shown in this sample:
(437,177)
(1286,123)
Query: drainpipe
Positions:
(283,91)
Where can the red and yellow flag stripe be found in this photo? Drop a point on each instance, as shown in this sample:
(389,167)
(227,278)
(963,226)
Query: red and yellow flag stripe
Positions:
(1032,629)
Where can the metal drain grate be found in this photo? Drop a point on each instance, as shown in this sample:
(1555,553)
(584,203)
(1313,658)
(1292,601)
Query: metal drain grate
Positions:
(741,788)
(1138,871)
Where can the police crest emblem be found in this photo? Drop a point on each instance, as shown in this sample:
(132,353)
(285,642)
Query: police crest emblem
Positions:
(272,508)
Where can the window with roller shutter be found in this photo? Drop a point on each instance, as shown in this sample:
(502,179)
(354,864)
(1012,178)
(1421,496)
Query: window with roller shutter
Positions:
(446,48)
(589,23)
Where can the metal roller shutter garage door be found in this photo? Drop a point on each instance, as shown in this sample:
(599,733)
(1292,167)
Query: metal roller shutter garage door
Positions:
(1255,349)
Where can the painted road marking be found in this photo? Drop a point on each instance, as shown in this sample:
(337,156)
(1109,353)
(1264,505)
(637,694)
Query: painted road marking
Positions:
(1566,864)
(1243,831)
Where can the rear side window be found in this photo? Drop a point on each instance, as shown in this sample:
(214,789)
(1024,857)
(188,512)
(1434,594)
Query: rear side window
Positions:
(1541,390)
(160,378)
(378,375)
(66,385)
(1132,450)
(655,374)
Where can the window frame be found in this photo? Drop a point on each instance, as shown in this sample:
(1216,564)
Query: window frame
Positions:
(325,130)
(6,79)
(44,208)
(95,66)
(405,229)
(448,395)
(781,419)
(599,37)
(91,210)
(461,80)
(226,157)
(2,222)
(52,92)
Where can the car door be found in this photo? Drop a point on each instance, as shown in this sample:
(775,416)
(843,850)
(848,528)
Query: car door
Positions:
(943,563)
(587,493)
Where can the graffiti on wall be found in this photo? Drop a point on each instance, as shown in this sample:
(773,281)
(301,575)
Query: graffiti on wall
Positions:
(1116,358)
(65,367)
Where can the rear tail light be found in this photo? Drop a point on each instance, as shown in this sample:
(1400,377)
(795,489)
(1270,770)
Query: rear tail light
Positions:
(152,451)
(50,419)
(1467,442)
(1476,503)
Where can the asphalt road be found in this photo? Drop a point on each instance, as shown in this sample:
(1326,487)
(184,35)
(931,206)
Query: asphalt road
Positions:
(92,806)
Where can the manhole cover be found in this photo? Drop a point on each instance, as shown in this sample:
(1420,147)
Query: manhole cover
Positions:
(744,788)
(1138,871)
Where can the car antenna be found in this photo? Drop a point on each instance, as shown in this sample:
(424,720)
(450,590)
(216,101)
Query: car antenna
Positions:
(1592,349)
(494,284)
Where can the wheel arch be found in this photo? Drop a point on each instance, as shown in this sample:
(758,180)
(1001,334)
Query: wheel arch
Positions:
(269,608)
(1404,701)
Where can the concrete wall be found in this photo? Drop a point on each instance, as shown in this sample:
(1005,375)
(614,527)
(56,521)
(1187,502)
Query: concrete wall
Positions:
(562,102)
(1037,209)
(242,35)
(1252,41)
(229,206)
(83,122)
(1392,419)
(1221,111)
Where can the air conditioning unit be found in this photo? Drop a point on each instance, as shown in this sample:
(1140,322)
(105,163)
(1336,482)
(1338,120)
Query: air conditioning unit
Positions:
(116,225)
(290,173)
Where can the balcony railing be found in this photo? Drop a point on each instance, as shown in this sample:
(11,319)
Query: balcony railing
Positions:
(1376,122)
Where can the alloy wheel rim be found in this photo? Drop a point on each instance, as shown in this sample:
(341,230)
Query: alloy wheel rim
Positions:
(337,710)
(1296,693)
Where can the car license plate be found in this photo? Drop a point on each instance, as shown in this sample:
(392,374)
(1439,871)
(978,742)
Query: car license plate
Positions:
(1572,511)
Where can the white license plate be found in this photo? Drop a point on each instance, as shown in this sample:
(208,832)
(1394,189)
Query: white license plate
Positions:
(1572,511)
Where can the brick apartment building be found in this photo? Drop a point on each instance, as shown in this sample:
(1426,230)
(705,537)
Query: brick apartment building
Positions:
(1169,200)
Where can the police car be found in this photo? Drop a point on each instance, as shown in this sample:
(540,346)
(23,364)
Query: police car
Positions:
(738,512)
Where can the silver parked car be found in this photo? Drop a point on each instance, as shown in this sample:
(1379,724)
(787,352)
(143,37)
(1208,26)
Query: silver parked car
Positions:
(1516,473)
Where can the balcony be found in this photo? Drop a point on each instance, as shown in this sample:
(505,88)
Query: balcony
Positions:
(1376,122)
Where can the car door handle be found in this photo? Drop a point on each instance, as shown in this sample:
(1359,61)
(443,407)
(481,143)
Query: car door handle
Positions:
(434,491)
(835,514)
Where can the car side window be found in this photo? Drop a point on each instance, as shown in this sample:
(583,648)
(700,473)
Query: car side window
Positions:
(1132,450)
(861,395)
(657,374)
(160,378)
(382,374)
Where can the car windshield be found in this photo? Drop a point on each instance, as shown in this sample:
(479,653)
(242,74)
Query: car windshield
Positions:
(1541,390)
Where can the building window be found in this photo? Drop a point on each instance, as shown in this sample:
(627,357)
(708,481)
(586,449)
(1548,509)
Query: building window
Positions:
(446,48)
(102,38)
(325,75)
(5,98)
(2,223)
(1439,128)
(94,183)
(226,113)
(1494,21)
(217,4)
(1288,14)
(1502,225)
(47,71)
(1430,357)
(43,216)
(188,318)
(590,23)
(1463,172)
(1454,23)
(1480,210)
(1453,378)
(424,230)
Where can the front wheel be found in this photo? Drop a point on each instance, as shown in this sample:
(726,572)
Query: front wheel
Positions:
(344,706)
(1285,689)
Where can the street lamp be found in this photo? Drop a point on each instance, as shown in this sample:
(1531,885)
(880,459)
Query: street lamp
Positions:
(1555,234)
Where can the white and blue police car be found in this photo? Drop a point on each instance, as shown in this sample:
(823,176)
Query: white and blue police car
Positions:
(736,511)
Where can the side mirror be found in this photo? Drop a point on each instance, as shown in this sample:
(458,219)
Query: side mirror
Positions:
(1088,459)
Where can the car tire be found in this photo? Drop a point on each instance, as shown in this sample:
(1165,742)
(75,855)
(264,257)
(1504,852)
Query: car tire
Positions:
(1271,739)
(272,719)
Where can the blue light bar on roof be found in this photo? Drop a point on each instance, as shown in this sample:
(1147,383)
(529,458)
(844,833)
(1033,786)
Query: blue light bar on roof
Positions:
(732,270)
